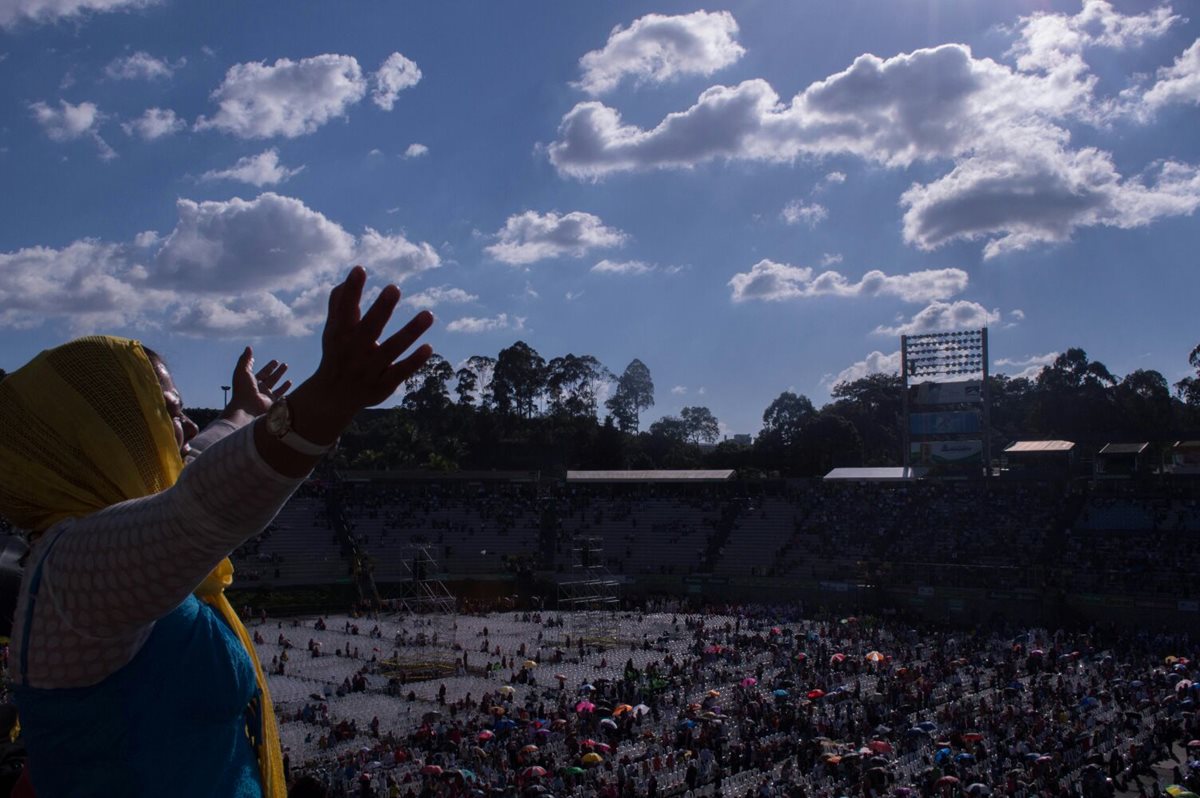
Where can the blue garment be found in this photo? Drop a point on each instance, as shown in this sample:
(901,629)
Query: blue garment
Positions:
(173,722)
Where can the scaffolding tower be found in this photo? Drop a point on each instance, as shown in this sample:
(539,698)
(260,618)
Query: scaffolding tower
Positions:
(588,596)
(428,610)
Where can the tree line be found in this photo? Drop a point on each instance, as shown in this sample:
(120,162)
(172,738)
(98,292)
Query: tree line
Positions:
(518,411)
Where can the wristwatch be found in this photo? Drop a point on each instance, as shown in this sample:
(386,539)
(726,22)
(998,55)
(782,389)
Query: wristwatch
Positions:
(279,424)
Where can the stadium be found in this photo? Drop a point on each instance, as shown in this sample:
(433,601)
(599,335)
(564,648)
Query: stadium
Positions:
(936,626)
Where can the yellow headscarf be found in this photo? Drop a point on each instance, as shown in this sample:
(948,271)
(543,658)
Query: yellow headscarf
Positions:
(84,426)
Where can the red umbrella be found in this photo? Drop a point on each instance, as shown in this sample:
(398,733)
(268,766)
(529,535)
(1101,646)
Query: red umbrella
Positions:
(837,658)
(815,694)
(880,746)
(588,743)
(431,770)
(584,706)
(946,781)
(972,737)
(485,735)
(535,772)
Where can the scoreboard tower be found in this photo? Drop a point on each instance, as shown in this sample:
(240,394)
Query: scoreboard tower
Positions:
(946,402)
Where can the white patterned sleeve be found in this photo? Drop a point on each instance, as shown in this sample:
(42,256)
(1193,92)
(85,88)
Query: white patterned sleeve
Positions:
(210,435)
(117,571)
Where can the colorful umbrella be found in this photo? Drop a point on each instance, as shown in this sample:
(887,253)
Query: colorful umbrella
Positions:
(592,758)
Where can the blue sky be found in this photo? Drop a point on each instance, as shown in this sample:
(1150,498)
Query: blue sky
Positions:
(749,197)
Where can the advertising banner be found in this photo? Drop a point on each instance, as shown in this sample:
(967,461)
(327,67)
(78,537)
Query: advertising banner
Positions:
(952,423)
(947,452)
(946,393)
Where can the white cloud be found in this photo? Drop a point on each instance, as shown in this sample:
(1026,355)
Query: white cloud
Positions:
(259,170)
(396,74)
(774,282)
(13,12)
(657,48)
(238,246)
(874,363)
(394,256)
(796,212)
(416,150)
(438,295)
(1039,194)
(1178,83)
(571,296)
(236,268)
(623,267)
(832,179)
(253,315)
(153,124)
(1014,180)
(701,390)
(470,324)
(679,390)
(1027,367)
(288,98)
(831,258)
(530,236)
(944,317)
(146,239)
(1049,41)
(68,121)
(141,66)
(1017,314)
(89,284)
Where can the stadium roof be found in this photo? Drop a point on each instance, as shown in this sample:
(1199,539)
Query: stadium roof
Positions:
(690,475)
(1039,447)
(415,475)
(1124,448)
(878,474)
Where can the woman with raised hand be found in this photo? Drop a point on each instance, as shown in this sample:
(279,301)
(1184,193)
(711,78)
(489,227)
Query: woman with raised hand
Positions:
(132,674)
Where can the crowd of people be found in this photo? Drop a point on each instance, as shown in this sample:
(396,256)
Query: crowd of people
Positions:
(753,701)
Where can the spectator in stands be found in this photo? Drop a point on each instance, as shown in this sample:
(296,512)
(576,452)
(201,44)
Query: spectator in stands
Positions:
(93,441)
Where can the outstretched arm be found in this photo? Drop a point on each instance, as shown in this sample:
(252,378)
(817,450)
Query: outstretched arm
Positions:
(115,572)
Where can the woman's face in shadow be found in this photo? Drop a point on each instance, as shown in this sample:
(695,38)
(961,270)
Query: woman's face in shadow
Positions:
(185,428)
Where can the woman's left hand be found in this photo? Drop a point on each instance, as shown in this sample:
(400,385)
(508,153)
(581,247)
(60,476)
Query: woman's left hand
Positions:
(254,393)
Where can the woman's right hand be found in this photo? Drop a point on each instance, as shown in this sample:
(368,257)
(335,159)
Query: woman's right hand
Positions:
(357,370)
